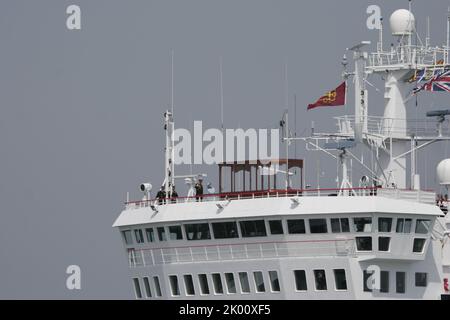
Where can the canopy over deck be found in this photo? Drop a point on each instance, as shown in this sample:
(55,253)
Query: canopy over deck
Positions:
(254,171)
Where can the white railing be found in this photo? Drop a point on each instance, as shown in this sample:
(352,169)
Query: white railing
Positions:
(245,251)
(389,126)
(410,195)
(415,55)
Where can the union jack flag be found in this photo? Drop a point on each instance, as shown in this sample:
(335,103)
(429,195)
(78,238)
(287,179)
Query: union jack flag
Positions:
(440,82)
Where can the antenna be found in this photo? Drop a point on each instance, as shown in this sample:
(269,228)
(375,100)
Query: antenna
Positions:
(221,92)
(427,39)
(171,80)
(380,36)
(448,36)
(286,83)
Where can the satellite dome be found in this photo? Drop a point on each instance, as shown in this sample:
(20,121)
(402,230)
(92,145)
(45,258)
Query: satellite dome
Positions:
(402,22)
(443,172)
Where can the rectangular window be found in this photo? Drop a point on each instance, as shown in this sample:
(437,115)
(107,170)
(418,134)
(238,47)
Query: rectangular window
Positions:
(421,279)
(189,285)
(150,235)
(225,230)
(231,285)
(422,226)
(175,233)
(366,275)
(363,243)
(418,245)
(148,291)
(300,280)
(320,279)
(217,282)
(162,234)
(127,237)
(296,226)
(259,281)
(400,282)
(157,287)
(243,279)
(174,285)
(139,236)
(274,282)
(384,224)
(276,227)
(403,225)
(137,288)
(362,224)
(197,231)
(203,280)
(384,281)
(318,225)
(383,243)
(340,279)
(255,228)
(339,225)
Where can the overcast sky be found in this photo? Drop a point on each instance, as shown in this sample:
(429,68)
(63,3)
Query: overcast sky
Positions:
(81,111)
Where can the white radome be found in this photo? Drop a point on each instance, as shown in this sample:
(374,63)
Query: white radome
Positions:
(402,22)
(443,172)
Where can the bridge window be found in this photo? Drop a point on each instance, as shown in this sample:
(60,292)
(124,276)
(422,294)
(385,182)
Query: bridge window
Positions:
(296,226)
(150,235)
(362,224)
(403,225)
(276,227)
(422,226)
(339,225)
(363,243)
(366,275)
(225,230)
(157,286)
(231,285)
(162,234)
(383,243)
(340,279)
(139,236)
(274,282)
(189,285)
(148,291)
(384,281)
(245,285)
(384,224)
(127,237)
(318,225)
(421,279)
(255,228)
(418,245)
(174,285)
(137,288)
(320,280)
(203,280)
(197,231)
(175,233)
(217,281)
(259,281)
(400,282)
(300,280)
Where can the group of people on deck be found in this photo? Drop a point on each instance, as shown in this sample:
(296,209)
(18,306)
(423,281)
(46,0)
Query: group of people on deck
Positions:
(172,195)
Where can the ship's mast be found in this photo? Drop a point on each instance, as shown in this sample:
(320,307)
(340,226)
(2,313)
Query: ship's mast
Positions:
(169,127)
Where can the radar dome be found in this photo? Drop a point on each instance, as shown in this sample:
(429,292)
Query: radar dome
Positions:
(443,172)
(402,22)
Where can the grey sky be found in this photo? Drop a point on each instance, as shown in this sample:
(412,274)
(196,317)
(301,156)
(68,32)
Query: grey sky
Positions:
(81,111)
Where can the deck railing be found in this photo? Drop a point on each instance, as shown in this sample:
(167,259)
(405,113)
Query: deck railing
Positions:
(240,251)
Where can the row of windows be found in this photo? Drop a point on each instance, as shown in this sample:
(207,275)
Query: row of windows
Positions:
(231,282)
(217,288)
(369,281)
(257,228)
(384,243)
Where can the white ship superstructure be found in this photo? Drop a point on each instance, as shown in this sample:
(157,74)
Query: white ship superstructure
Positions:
(381,239)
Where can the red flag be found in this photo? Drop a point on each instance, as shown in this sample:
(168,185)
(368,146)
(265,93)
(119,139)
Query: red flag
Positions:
(334,97)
